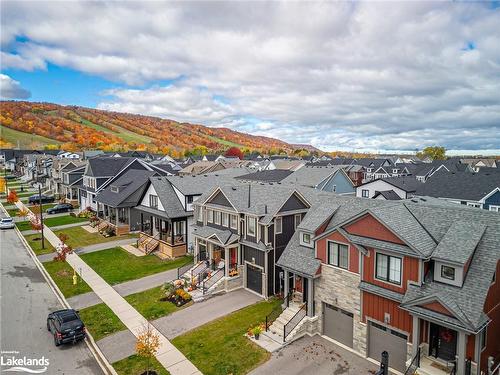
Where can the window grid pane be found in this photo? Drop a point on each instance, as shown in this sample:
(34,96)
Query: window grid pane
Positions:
(395,270)
(381,267)
(343,256)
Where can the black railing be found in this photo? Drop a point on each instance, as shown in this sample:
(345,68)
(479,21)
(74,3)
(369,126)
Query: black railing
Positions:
(183,269)
(384,364)
(273,315)
(468,366)
(415,363)
(214,277)
(294,321)
(453,368)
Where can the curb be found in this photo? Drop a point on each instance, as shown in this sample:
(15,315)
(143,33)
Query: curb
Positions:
(91,344)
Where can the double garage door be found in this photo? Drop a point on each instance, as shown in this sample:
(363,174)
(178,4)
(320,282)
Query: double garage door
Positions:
(254,278)
(382,338)
(337,324)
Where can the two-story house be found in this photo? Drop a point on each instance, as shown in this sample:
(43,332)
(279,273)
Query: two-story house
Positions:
(413,279)
(242,229)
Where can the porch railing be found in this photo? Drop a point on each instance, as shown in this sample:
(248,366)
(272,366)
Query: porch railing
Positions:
(294,321)
(214,277)
(183,269)
(453,368)
(275,313)
(414,364)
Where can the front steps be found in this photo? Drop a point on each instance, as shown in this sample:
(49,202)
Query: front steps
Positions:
(276,330)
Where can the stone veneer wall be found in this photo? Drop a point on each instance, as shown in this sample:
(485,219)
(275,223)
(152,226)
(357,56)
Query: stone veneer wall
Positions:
(339,288)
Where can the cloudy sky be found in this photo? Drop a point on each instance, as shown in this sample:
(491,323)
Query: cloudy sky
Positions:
(340,76)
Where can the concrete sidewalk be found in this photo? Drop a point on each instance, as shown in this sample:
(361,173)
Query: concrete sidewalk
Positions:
(104,245)
(168,355)
(57,227)
(82,301)
(121,344)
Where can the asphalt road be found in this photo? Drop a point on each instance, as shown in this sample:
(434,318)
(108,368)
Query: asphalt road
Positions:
(26,299)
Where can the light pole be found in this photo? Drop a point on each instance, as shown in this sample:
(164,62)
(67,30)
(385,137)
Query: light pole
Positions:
(41,212)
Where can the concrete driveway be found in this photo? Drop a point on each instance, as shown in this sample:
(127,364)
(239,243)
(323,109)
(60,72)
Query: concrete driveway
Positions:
(318,356)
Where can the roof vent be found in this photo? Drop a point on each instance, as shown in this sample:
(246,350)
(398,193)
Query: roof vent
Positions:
(234,188)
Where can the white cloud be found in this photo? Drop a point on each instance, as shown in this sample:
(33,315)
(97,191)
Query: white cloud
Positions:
(337,75)
(11,89)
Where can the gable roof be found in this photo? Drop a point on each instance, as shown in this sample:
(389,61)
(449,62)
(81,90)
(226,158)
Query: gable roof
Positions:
(106,166)
(389,195)
(273,175)
(311,176)
(168,198)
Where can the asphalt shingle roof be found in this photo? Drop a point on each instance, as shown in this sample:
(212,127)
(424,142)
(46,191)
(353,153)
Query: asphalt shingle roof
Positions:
(106,166)
(168,197)
(273,175)
(299,258)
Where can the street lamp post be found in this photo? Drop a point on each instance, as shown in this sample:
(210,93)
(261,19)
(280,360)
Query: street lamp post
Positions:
(41,212)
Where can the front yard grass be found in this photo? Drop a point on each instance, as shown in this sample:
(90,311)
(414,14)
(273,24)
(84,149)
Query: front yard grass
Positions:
(35,241)
(116,265)
(101,321)
(149,305)
(220,347)
(52,222)
(134,365)
(79,237)
(62,274)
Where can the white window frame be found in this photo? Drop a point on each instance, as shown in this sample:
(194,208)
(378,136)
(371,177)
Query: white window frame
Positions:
(225,219)
(494,208)
(363,193)
(251,233)
(235,218)
(483,340)
(200,213)
(475,205)
(331,262)
(217,217)
(388,280)
(152,198)
(210,216)
(304,238)
(443,266)
(296,224)
(279,220)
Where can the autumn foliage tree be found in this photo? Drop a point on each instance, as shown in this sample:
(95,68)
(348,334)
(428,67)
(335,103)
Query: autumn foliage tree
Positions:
(12,197)
(63,249)
(3,185)
(147,345)
(234,151)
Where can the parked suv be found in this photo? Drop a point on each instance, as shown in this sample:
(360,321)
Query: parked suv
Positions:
(36,199)
(58,208)
(66,326)
(6,223)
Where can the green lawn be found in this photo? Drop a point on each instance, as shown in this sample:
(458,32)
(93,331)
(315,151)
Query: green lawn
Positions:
(52,222)
(79,237)
(149,305)
(62,274)
(34,240)
(14,211)
(223,141)
(24,140)
(116,265)
(220,347)
(101,321)
(134,365)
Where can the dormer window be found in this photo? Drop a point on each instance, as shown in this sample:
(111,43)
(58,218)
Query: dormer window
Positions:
(394,171)
(306,238)
(447,272)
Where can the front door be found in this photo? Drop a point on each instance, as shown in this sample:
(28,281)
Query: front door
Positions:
(443,343)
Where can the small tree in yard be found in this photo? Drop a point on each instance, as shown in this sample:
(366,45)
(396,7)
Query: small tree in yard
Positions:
(234,151)
(62,248)
(23,212)
(147,345)
(12,197)
(3,185)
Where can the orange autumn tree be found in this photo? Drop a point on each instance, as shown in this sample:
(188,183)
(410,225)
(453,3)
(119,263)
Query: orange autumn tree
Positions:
(12,197)
(147,345)
(3,185)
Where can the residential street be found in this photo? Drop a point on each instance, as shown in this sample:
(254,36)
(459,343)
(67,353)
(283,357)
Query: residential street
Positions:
(26,299)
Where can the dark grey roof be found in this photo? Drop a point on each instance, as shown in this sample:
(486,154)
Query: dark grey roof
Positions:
(387,293)
(460,185)
(406,183)
(311,175)
(168,198)
(389,195)
(459,243)
(317,215)
(106,166)
(195,184)
(378,244)
(225,236)
(300,259)
(274,175)
(129,183)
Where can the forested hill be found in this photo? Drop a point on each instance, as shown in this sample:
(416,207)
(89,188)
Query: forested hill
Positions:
(38,125)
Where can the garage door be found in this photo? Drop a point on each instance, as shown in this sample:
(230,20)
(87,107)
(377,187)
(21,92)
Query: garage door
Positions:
(382,338)
(254,278)
(337,324)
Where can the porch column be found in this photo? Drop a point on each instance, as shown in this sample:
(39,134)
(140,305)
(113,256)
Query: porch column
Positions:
(461,353)
(310,297)
(415,335)
(286,285)
(226,261)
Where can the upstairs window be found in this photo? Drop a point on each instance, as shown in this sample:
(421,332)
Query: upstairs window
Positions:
(306,238)
(447,272)
(388,268)
(338,255)
(225,219)
(298,219)
(278,223)
(217,215)
(234,222)
(200,214)
(365,193)
(153,201)
(210,216)
(251,226)
(189,199)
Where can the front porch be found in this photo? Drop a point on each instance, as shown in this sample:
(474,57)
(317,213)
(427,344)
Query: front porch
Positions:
(166,237)
(438,349)
(113,220)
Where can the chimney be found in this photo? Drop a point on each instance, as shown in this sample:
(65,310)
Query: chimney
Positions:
(265,209)
(249,192)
